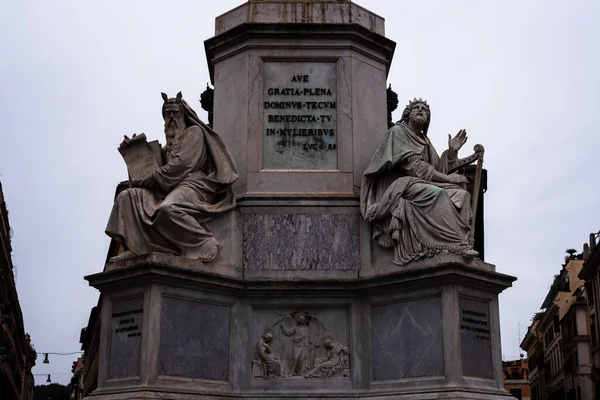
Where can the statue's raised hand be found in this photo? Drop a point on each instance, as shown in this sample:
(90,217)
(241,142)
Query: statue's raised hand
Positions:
(457,141)
(126,141)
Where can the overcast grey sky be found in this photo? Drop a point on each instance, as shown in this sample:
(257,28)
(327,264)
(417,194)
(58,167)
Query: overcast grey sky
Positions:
(521,76)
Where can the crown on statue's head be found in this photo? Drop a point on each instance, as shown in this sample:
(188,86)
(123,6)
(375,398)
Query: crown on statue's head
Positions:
(414,101)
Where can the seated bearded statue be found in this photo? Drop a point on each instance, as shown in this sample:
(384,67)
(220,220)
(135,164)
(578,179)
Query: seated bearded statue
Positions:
(408,195)
(167,211)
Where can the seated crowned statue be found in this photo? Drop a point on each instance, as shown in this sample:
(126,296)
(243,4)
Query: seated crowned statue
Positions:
(166,211)
(408,196)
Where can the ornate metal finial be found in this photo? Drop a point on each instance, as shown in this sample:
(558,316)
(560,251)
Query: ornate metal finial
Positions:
(392,104)
(207,102)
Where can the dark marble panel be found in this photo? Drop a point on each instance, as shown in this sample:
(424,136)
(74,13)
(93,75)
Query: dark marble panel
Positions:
(301,241)
(407,339)
(194,339)
(475,338)
(126,338)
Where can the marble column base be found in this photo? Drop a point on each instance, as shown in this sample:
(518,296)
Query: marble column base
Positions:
(174,328)
(169,394)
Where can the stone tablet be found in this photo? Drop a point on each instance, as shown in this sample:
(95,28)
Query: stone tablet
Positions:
(475,338)
(126,338)
(300,121)
(407,339)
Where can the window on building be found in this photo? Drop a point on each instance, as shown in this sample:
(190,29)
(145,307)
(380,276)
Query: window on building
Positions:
(559,355)
(568,367)
(561,360)
(571,395)
(558,361)
(595,283)
(593,330)
(516,392)
(532,361)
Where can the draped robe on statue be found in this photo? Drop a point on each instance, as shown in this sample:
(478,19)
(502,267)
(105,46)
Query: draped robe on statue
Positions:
(269,362)
(333,364)
(408,211)
(193,186)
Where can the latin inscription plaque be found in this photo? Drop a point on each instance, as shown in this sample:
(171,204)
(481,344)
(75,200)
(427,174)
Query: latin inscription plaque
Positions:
(475,338)
(300,121)
(125,342)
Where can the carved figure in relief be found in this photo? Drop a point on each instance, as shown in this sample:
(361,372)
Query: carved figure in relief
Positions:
(267,361)
(410,196)
(335,362)
(301,328)
(166,211)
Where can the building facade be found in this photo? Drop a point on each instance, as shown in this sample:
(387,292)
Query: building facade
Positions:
(590,273)
(533,344)
(558,340)
(576,349)
(17,356)
(551,339)
(76,385)
(85,368)
(516,378)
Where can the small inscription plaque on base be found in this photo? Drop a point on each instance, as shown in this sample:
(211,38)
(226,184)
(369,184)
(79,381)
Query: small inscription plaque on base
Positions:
(475,338)
(126,338)
(300,121)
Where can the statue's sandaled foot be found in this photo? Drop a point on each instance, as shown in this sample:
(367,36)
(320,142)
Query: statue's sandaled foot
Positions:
(127,254)
(210,255)
(471,253)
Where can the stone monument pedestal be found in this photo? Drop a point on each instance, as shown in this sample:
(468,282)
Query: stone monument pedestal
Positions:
(173,328)
(299,303)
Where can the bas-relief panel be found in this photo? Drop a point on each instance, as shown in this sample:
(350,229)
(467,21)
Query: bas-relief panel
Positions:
(475,338)
(301,241)
(407,339)
(300,343)
(300,117)
(194,339)
(126,338)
